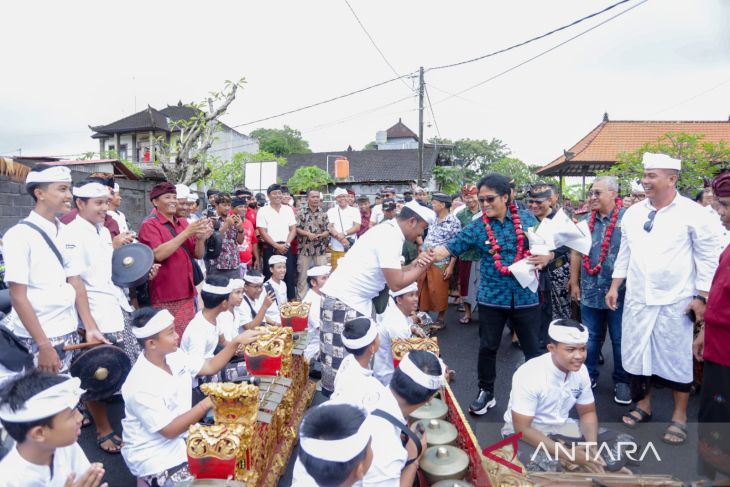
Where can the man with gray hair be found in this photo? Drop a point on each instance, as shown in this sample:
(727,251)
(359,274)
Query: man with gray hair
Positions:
(590,280)
(668,256)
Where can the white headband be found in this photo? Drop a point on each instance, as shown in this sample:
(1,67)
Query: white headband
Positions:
(413,287)
(277,259)
(340,192)
(46,403)
(236,284)
(363,341)
(156,324)
(253,279)
(424,212)
(342,450)
(116,187)
(91,190)
(182,191)
(568,335)
(320,270)
(210,288)
(420,377)
(55,174)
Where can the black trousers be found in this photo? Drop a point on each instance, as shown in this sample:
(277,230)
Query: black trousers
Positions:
(714,420)
(291,270)
(525,322)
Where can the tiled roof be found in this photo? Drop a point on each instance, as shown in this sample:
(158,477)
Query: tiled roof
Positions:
(601,147)
(400,131)
(147,119)
(179,112)
(119,168)
(370,165)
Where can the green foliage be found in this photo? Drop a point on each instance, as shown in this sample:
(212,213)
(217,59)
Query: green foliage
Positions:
(475,155)
(514,169)
(308,177)
(227,176)
(281,142)
(372,145)
(112,154)
(700,159)
(449,178)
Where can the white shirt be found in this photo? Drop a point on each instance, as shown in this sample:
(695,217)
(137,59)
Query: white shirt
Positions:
(280,290)
(356,385)
(30,261)
(342,219)
(314,321)
(227,326)
(120,218)
(376,214)
(391,324)
(541,390)
(152,399)
(200,338)
(15,471)
(276,223)
(359,275)
(673,261)
(242,312)
(89,248)
(389,454)
(723,234)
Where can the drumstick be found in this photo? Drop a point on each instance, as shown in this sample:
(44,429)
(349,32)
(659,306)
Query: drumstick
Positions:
(81,346)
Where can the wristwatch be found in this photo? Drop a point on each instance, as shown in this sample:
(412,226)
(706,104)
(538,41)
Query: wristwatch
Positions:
(700,298)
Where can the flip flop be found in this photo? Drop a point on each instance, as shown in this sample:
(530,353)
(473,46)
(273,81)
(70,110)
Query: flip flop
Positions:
(465,321)
(679,432)
(643,417)
(113,437)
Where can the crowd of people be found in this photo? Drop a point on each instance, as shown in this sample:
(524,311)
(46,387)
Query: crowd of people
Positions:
(656,278)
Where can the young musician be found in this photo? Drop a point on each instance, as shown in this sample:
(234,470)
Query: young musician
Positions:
(158,398)
(277,267)
(316,278)
(334,447)
(252,310)
(354,382)
(38,410)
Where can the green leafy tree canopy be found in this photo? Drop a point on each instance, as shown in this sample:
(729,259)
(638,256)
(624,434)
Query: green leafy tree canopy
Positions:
(281,142)
(700,159)
(475,155)
(308,177)
(227,176)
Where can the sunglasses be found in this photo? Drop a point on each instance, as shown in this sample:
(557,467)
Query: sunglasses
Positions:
(488,199)
(594,194)
(535,202)
(650,222)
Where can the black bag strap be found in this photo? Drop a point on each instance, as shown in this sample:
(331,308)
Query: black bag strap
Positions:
(46,238)
(174,234)
(404,429)
(250,306)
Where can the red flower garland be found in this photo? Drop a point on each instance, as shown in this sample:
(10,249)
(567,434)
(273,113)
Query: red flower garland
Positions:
(496,256)
(594,271)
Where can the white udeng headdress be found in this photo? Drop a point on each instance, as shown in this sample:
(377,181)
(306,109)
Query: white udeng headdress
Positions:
(46,403)
(421,378)
(568,335)
(54,174)
(363,341)
(342,450)
(156,324)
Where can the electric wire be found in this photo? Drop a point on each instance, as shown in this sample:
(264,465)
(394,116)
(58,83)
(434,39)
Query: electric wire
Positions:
(433,115)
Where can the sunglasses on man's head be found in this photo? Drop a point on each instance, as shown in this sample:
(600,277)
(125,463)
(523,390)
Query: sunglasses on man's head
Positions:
(488,199)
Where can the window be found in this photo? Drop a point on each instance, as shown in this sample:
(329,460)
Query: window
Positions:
(122,151)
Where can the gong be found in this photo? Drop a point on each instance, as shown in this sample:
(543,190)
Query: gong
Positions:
(131,264)
(102,370)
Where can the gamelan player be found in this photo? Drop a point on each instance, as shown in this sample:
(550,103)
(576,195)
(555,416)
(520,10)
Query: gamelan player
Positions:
(158,398)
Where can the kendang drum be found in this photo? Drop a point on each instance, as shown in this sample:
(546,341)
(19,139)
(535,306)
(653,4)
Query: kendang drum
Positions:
(294,315)
(401,346)
(265,355)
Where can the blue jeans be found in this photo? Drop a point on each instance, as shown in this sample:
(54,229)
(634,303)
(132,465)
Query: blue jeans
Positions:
(594,319)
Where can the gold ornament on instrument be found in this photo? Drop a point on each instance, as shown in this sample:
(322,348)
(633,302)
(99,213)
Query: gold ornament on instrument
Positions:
(294,309)
(222,441)
(233,403)
(401,346)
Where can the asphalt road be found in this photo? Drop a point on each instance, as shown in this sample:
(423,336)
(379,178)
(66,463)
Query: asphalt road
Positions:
(459,346)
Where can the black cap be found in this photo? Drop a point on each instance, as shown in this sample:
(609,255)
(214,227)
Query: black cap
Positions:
(442,197)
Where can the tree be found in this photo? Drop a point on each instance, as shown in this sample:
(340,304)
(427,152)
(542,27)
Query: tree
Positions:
(185,159)
(700,160)
(372,145)
(226,176)
(475,155)
(281,142)
(449,178)
(308,177)
(514,169)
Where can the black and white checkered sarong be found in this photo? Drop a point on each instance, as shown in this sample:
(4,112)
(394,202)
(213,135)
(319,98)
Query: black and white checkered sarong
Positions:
(334,314)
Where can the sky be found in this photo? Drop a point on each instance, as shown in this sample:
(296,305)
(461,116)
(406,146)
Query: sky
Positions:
(68,65)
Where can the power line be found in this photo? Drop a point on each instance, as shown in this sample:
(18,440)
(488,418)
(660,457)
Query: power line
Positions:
(693,97)
(575,22)
(433,115)
(375,45)
(329,100)
(539,55)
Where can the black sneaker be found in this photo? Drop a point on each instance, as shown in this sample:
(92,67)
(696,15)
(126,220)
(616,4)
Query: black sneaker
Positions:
(622,393)
(482,403)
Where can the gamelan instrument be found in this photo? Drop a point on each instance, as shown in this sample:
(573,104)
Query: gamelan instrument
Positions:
(294,314)
(401,346)
(255,426)
(131,264)
(102,369)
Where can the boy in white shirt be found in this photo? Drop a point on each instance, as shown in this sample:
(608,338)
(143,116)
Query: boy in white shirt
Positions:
(38,410)
(316,278)
(545,389)
(354,382)
(334,447)
(226,321)
(158,398)
(202,334)
(254,305)
(277,266)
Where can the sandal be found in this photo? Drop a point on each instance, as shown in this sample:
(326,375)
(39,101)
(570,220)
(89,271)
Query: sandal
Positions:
(116,441)
(643,417)
(465,321)
(437,326)
(461,308)
(679,433)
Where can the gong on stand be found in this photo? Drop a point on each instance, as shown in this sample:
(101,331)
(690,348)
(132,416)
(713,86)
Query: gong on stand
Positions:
(131,264)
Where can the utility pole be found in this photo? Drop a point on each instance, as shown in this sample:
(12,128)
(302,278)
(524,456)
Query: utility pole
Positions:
(420,126)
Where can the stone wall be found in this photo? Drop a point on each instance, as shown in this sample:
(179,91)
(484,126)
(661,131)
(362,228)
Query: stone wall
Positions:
(15,203)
